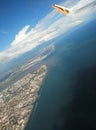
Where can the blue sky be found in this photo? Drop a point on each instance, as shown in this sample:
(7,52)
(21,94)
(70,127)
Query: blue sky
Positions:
(25,24)
(15,14)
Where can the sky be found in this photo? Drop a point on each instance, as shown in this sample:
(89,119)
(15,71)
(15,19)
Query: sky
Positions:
(25,24)
(15,14)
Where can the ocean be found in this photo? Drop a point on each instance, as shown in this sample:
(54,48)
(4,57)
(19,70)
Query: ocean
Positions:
(71,72)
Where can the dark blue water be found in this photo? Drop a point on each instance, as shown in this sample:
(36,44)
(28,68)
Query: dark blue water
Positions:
(64,89)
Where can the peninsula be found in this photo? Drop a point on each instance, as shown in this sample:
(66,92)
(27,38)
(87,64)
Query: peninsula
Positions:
(17,100)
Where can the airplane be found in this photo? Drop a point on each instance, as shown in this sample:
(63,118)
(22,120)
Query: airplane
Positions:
(67,11)
(61,9)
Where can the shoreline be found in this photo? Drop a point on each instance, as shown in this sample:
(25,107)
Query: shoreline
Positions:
(21,99)
(35,105)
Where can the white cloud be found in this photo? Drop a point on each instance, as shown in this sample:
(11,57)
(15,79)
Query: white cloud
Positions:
(83,3)
(51,26)
(21,35)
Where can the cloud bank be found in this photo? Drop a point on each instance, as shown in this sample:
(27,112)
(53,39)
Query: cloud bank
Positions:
(51,26)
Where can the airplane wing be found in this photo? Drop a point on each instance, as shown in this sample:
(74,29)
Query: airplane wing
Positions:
(61,9)
(67,11)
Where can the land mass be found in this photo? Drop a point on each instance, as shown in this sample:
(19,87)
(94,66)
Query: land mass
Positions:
(17,101)
(19,89)
(21,70)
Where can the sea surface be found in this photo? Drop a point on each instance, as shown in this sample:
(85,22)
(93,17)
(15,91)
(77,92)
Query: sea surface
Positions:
(68,89)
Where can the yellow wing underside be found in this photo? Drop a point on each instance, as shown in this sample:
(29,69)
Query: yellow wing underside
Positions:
(60,9)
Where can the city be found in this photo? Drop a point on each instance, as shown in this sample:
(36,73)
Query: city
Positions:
(16,101)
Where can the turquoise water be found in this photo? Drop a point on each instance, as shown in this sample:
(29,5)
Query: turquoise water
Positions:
(71,57)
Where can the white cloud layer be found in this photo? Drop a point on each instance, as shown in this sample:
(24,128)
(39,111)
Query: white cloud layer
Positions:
(51,26)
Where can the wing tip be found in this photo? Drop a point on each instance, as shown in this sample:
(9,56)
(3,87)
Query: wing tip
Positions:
(61,9)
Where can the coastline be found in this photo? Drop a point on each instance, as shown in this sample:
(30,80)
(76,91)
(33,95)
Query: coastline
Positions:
(32,113)
(21,99)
